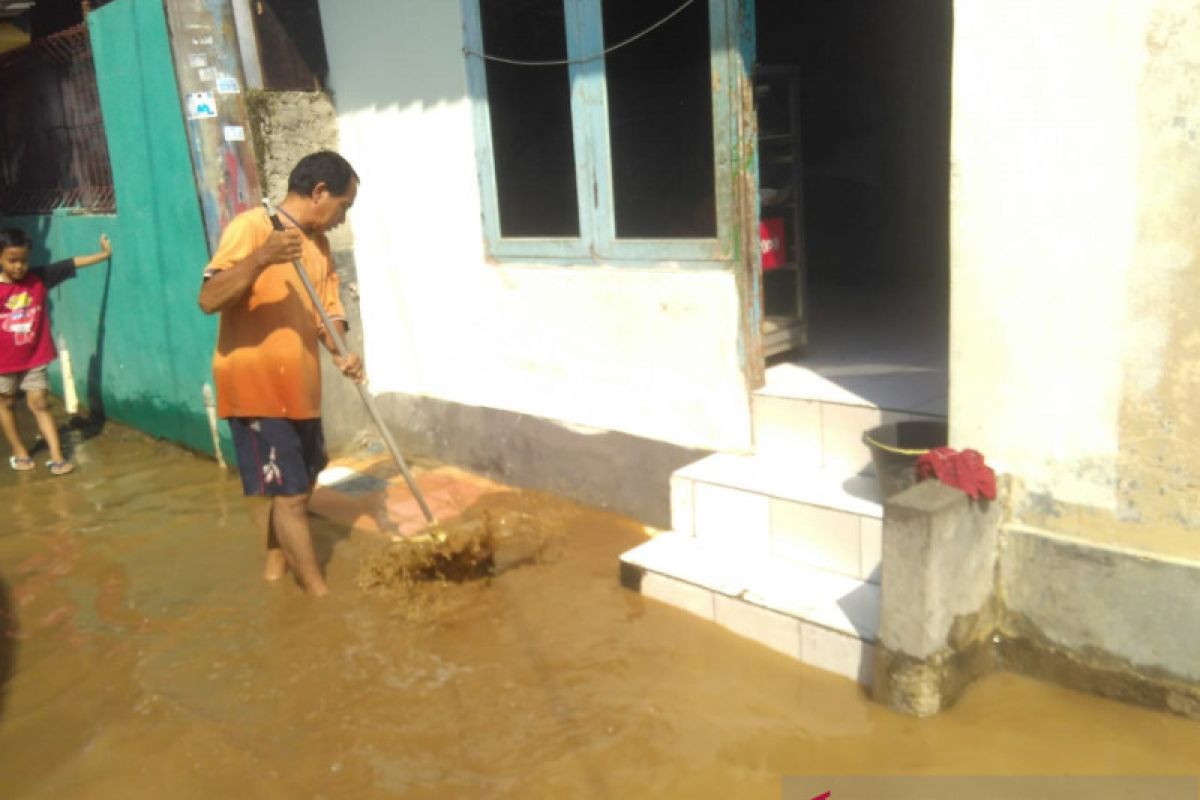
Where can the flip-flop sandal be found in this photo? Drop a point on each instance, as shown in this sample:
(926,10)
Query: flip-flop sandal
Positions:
(60,467)
(21,463)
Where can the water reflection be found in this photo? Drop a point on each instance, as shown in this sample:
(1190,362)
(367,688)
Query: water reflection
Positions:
(8,640)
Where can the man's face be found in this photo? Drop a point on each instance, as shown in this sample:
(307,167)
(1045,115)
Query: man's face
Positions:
(14,263)
(331,208)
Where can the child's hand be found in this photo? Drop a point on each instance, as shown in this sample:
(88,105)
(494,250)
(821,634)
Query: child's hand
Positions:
(105,245)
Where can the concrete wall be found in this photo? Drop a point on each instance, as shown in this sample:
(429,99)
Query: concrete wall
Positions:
(1074,261)
(139,345)
(650,352)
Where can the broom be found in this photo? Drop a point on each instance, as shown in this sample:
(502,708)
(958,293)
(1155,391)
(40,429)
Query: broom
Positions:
(341,350)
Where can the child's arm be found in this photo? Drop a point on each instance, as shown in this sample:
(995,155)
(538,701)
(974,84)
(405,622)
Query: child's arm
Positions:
(95,258)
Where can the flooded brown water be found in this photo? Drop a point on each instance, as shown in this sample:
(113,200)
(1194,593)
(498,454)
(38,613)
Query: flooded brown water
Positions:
(144,658)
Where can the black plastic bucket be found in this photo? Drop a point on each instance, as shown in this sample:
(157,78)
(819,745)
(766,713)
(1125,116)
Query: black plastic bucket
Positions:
(895,448)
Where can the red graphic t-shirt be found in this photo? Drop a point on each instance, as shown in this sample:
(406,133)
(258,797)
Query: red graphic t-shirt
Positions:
(25,340)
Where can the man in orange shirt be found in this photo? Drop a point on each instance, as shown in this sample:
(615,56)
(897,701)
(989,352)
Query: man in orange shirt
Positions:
(266,367)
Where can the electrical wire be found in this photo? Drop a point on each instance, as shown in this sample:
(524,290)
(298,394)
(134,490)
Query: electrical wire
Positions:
(568,61)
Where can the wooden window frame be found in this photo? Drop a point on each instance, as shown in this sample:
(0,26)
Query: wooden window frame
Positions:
(598,242)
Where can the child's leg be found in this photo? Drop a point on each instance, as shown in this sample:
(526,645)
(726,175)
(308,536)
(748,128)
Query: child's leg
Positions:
(8,423)
(39,404)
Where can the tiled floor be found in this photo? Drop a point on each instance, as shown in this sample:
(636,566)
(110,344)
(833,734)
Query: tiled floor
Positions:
(370,495)
(878,348)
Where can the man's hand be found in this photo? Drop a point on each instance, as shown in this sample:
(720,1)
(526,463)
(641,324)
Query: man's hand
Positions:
(281,246)
(105,245)
(351,366)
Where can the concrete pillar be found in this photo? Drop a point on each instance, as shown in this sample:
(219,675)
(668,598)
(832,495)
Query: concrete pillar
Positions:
(939,605)
(212,86)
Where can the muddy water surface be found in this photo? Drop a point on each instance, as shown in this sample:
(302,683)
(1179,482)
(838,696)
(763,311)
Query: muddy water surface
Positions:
(142,656)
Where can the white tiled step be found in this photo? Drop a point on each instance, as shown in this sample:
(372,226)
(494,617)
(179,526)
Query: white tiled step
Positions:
(816,416)
(765,508)
(825,620)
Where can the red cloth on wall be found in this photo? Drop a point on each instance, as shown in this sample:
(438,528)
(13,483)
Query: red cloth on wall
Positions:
(964,470)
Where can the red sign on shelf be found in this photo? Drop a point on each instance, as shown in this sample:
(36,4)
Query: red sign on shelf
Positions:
(772,242)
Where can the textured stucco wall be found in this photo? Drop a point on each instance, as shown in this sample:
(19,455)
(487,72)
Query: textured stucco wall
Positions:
(1074,241)
(651,352)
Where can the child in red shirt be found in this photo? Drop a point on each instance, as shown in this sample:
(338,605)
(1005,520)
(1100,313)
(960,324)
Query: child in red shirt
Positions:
(26,344)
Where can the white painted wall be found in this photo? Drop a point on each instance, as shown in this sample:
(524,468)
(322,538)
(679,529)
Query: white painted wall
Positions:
(1044,200)
(647,352)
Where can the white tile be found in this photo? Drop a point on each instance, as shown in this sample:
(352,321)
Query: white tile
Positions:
(826,598)
(732,519)
(683,520)
(794,380)
(686,559)
(788,429)
(777,631)
(871,536)
(836,652)
(685,596)
(819,537)
(786,481)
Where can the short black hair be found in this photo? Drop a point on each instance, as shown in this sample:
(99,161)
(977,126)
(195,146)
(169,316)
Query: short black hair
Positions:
(13,237)
(323,166)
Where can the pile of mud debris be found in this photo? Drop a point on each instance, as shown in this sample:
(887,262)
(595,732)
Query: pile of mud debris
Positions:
(485,541)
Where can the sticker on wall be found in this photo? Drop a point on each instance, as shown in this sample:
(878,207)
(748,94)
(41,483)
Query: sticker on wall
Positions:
(200,105)
(206,74)
(198,59)
(227,84)
(235,133)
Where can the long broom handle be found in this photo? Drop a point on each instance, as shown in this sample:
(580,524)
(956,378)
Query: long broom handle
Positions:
(363,392)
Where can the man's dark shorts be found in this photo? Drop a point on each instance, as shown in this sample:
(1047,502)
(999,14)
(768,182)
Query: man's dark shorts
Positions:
(278,456)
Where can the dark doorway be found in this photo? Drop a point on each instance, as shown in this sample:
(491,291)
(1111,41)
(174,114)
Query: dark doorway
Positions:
(874,120)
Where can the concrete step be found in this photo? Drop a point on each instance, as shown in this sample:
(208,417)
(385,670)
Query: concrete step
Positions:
(816,419)
(825,620)
(769,508)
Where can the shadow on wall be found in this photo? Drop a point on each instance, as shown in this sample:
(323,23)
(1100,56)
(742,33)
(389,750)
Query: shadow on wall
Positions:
(393,53)
(8,641)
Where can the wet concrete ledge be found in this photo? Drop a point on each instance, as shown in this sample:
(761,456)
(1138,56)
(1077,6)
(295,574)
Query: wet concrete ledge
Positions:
(617,472)
(964,595)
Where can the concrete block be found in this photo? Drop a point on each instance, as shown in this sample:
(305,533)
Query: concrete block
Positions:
(939,565)
(938,605)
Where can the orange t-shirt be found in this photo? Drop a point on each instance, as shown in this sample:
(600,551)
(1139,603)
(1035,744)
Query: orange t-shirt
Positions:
(266,363)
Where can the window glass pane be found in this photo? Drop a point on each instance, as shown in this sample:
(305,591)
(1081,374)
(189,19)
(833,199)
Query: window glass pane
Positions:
(660,120)
(530,108)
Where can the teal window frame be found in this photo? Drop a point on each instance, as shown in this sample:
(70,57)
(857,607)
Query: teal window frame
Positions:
(598,242)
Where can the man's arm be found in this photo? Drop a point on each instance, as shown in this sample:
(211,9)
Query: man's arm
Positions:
(226,287)
(95,258)
(350,364)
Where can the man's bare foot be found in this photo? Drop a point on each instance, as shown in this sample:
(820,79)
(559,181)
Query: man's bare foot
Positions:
(276,565)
